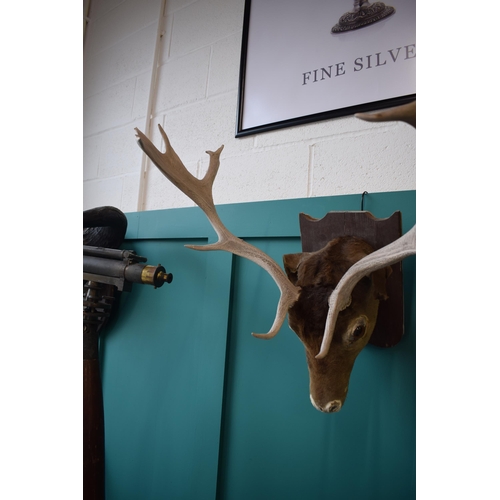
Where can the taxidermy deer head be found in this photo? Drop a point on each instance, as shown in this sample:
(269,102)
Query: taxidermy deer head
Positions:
(331,296)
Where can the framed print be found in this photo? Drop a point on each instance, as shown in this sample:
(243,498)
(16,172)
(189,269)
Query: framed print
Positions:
(305,61)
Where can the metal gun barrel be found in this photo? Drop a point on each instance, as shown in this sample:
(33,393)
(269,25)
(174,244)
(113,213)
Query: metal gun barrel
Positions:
(111,253)
(124,270)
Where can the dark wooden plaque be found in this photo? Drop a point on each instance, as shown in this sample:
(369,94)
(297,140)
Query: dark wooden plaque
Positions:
(316,233)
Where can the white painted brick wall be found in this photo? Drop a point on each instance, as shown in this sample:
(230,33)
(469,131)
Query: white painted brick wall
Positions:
(118,60)
(195,101)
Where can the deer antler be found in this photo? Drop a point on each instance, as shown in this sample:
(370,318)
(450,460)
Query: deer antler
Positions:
(341,297)
(405,113)
(200,191)
(390,254)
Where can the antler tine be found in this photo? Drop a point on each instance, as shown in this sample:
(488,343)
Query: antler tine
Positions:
(171,166)
(385,256)
(341,297)
(200,191)
(406,113)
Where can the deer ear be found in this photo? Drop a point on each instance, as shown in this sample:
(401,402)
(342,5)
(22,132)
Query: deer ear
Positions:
(291,262)
(379,280)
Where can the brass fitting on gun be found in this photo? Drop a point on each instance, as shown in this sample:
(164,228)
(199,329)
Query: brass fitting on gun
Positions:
(155,275)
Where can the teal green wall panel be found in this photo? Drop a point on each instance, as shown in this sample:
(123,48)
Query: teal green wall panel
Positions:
(195,407)
(163,367)
(276,445)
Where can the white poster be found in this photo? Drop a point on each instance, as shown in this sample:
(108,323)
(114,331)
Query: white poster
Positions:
(304,61)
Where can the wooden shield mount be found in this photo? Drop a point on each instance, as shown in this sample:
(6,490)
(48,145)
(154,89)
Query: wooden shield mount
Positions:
(316,233)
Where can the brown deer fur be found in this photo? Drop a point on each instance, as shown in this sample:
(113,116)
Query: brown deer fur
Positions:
(317,273)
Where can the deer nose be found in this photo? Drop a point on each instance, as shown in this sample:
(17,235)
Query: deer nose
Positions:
(333,406)
(330,407)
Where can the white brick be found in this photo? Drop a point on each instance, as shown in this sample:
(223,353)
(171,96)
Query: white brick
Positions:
(206,125)
(101,7)
(267,175)
(130,193)
(204,22)
(102,192)
(118,23)
(96,73)
(110,108)
(141,96)
(315,130)
(373,162)
(273,174)
(162,194)
(91,151)
(134,55)
(224,67)
(120,153)
(124,60)
(183,80)
(173,5)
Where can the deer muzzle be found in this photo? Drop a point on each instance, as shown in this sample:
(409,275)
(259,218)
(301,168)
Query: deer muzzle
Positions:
(330,407)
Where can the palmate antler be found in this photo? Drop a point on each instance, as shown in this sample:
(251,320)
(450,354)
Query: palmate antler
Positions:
(341,297)
(200,191)
(390,254)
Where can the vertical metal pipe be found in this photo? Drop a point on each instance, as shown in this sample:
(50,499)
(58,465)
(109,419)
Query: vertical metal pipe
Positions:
(151,103)
(86,8)
(97,304)
(93,418)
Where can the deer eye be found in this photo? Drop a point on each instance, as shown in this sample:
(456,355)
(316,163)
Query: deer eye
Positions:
(358,331)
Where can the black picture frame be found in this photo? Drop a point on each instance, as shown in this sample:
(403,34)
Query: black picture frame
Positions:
(277,64)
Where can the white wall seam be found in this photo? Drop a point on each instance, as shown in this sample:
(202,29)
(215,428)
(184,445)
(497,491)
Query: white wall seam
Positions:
(310,168)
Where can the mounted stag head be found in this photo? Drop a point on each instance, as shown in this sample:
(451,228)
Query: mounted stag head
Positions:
(317,274)
(331,295)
